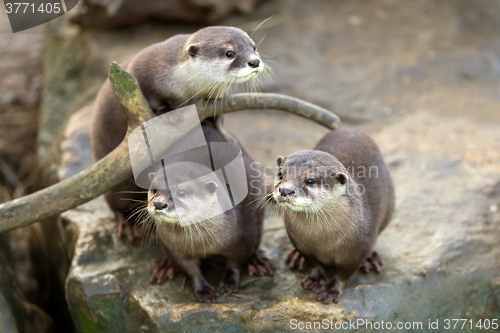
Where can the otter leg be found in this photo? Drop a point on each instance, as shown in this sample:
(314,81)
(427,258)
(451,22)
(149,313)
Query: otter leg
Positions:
(372,263)
(203,291)
(260,265)
(332,291)
(162,269)
(295,260)
(230,283)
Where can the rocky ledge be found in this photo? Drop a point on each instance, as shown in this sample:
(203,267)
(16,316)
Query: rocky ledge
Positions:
(441,251)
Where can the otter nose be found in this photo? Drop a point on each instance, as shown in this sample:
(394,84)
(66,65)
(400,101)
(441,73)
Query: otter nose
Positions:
(254,63)
(285,192)
(160,205)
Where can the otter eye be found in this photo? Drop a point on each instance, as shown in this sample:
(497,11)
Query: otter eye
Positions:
(230,54)
(182,193)
(310,182)
(280,175)
(153,190)
(254,48)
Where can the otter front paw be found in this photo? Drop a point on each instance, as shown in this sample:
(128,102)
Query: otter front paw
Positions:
(206,294)
(373,263)
(295,260)
(162,269)
(128,228)
(260,266)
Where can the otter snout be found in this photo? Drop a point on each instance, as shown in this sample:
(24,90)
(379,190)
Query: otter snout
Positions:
(254,63)
(286,192)
(160,205)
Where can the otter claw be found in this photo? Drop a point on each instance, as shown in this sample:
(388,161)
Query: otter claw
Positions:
(127,229)
(260,266)
(328,296)
(295,260)
(206,295)
(160,270)
(373,263)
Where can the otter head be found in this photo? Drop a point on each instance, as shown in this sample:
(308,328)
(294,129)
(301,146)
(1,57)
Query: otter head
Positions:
(307,181)
(218,57)
(188,196)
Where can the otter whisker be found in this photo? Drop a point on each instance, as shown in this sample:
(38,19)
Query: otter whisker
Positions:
(261,23)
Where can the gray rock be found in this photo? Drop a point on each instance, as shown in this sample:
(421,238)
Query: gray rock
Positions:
(441,251)
(17,314)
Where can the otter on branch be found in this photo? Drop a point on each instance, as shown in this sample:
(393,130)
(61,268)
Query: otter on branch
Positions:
(336,200)
(181,69)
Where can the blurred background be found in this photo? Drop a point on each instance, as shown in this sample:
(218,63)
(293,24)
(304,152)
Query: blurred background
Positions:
(422,77)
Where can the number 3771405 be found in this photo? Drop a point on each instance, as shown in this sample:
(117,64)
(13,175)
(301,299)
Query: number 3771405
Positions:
(27,8)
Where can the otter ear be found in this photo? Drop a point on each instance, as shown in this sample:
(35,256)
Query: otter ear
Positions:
(193,50)
(280,160)
(211,186)
(342,178)
(151,176)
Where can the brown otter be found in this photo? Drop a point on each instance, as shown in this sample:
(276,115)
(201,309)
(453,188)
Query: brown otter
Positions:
(182,68)
(336,200)
(194,217)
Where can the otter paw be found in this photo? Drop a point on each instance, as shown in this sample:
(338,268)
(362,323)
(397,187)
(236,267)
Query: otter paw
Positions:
(373,263)
(160,270)
(228,286)
(206,294)
(127,229)
(260,266)
(295,260)
(328,296)
(313,283)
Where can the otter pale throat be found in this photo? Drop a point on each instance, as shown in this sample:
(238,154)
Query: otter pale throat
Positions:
(336,200)
(194,191)
(184,68)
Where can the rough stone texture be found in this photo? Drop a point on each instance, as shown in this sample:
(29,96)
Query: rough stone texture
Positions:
(17,314)
(441,252)
(112,13)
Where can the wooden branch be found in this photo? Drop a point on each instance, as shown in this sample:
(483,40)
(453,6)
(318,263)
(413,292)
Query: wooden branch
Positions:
(115,167)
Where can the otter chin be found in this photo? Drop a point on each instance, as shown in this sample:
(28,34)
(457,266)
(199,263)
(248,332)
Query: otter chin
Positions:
(333,212)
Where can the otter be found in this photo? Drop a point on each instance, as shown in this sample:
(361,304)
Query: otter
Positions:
(194,218)
(184,68)
(336,200)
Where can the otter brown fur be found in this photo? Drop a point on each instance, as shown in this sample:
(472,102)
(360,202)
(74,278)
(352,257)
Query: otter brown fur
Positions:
(336,200)
(234,234)
(181,69)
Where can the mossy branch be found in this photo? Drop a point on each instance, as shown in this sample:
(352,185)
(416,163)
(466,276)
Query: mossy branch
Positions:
(115,167)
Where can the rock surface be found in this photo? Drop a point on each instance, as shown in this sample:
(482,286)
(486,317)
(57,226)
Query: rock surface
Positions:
(441,251)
